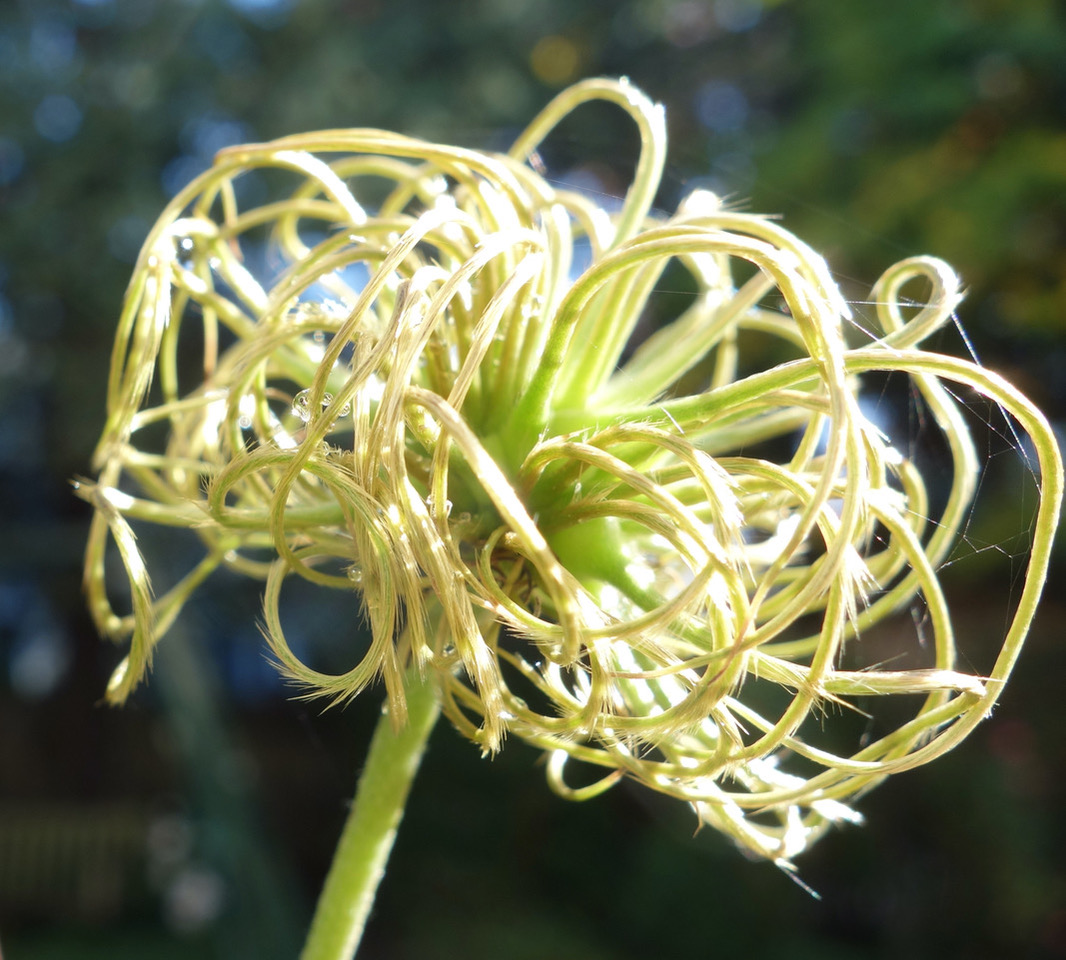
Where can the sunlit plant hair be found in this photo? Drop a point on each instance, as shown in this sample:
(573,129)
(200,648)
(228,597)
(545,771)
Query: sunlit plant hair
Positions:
(423,375)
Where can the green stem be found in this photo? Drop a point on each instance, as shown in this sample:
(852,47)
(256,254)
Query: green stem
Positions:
(365,844)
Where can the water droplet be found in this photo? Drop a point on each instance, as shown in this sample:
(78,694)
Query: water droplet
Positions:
(431,506)
(355,574)
(185,247)
(319,336)
(244,422)
(301,405)
(464,517)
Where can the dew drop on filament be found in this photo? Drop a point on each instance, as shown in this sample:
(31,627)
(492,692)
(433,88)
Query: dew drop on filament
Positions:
(185,247)
(301,405)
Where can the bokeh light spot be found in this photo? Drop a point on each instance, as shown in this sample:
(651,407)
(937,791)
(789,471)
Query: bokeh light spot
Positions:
(204,136)
(57,118)
(180,171)
(721,106)
(737,15)
(555,60)
(687,23)
(52,45)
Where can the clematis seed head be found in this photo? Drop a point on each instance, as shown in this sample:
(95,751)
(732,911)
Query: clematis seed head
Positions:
(652,554)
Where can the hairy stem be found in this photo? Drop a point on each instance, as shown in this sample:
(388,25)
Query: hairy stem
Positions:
(370,830)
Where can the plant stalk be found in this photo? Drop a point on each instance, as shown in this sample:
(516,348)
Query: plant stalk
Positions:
(370,830)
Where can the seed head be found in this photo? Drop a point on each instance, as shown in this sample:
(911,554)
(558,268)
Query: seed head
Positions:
(652,545)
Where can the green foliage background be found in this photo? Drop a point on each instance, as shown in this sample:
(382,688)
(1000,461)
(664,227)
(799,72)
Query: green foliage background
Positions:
(199,821)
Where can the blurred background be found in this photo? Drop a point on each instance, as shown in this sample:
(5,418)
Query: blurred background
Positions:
(199,820)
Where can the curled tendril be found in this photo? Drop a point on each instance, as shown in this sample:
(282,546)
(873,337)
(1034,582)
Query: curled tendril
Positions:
(652,553)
